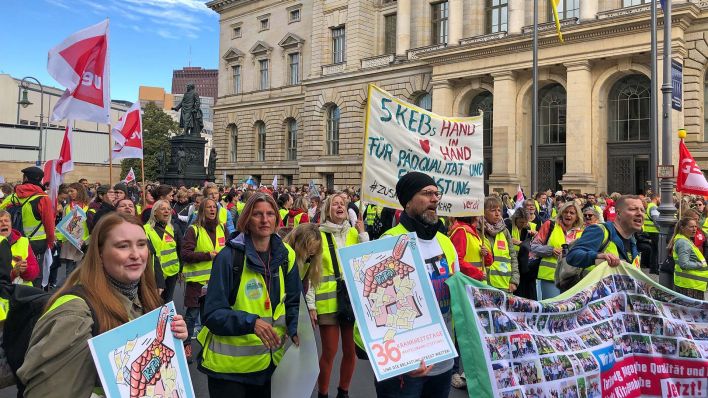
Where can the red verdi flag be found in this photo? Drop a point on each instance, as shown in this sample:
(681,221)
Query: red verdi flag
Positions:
(130,177)
(81,64)
(690,177)
(65,161)
(128,135)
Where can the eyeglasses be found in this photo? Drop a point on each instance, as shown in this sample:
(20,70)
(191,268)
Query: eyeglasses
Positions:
(430,194)
(588,216)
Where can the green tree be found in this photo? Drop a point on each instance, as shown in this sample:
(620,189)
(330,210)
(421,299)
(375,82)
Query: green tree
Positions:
(157,126)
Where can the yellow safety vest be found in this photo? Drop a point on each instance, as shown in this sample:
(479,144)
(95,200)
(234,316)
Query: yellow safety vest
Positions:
(372,211)
(612,249)
(326,291)
(705,226)
(29,223)
(696,279)
(20,248)
(239,207)
(246,353)
(166,249)
(200,272)
(547,268)
(296,220)
(474,244)
(649,226)
(223,215)
(4,303)
(499,274)
(516,232)
(283,214)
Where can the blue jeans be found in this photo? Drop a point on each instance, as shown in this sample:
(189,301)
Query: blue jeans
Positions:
(415,387)
(191,318)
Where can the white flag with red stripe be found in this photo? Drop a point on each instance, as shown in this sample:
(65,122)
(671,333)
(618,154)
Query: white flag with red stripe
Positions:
(66,160)
(128,135)
(130,176)
(81,64)
(519,198)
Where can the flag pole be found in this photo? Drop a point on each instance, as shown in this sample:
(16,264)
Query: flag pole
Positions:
(110,157)
(654,105)
(534,106)
(142,176)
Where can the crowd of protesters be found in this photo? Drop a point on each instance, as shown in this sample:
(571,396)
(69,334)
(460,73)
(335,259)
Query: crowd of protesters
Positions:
(214,239)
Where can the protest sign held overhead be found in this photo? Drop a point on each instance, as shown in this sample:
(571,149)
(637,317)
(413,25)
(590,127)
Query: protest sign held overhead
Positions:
(616,334)
(401,137)
(81,64)
(395,306)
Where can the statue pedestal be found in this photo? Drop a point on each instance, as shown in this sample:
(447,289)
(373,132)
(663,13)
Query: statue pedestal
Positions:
(186,165)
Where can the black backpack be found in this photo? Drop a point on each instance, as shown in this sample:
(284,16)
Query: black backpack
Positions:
(15,210)
(26,306)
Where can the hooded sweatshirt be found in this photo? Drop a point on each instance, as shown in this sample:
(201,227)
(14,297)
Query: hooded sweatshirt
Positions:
(45,207)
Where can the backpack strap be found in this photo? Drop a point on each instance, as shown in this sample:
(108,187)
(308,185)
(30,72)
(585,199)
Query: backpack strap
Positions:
(239,256)
(605,241)
(78,290)
(333,255)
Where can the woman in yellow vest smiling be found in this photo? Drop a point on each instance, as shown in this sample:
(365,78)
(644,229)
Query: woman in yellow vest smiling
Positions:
(202,242)
(167,244)
(251,306)
(504,271)
(690,269)
(336,232)
(548,246)
(112,286)
(24,264)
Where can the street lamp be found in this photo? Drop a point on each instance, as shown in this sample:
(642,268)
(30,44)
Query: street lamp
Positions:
(25,102)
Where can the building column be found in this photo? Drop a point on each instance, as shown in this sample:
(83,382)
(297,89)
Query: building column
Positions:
(579,144)
(516,16)
(505,172)
(455,13)
(588,10)
(442,98)
(403,27)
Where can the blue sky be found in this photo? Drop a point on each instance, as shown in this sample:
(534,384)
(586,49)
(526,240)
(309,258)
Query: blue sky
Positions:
(148,38)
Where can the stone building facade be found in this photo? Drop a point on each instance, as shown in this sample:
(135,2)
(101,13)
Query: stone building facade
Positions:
(301,117)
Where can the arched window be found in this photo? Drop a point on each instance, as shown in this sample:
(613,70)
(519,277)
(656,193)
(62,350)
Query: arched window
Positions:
(291,137)
(233,138)
(551,114)
(333,116)
(484,101)
(425,101)
(261,140)
(630,109)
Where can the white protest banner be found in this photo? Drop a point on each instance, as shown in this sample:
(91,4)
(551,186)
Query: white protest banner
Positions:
(396,310)
(401,137)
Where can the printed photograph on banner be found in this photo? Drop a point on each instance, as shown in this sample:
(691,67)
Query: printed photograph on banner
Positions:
(401,137)
(142,358)
(616,334)
(396,309)
(73,226)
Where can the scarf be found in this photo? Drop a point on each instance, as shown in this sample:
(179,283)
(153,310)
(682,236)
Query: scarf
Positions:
(210,225)
(424,230)
(129,290)
(493,230)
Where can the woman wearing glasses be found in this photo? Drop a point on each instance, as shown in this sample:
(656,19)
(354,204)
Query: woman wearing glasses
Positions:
(590,216)
(548,246)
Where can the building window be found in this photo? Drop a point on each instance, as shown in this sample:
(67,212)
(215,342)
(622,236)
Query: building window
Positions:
(333,116)
(236,74)
(233,135)
(484,101)
(630,3)
(261,149)
(390,34)
(630,109)
(338,42)
(440,17)
(292,139)
(552,114)
(425,101)
(236,32)
(566,9)
(265,23)
(294,15)
(497,15)
(294,70)
(263,64)
(329,182)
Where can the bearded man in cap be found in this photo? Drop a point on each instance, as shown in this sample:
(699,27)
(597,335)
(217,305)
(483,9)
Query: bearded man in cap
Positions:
(419,196)
(37,214)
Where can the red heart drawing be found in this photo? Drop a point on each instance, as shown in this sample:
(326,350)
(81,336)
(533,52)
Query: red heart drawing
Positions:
(425,144)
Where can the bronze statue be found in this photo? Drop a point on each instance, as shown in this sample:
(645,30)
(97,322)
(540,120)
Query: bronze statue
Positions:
(211,168)
(191,116)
